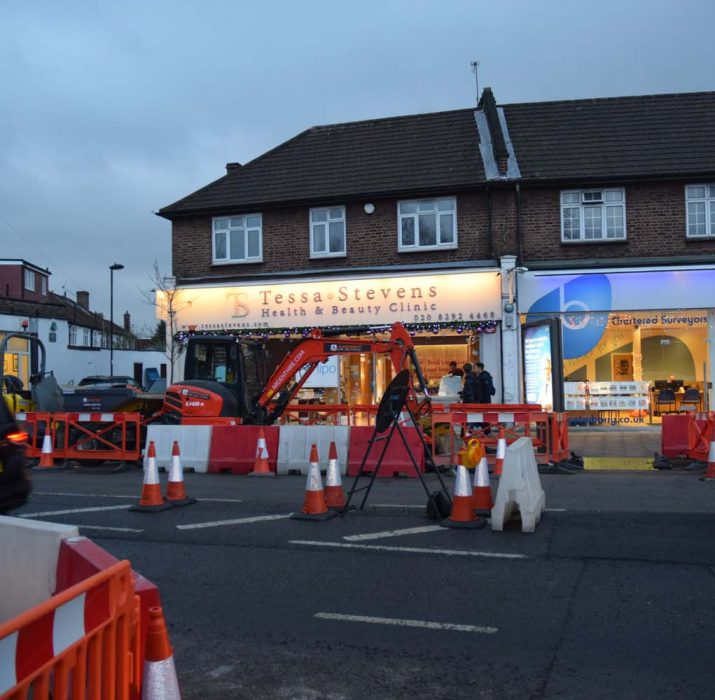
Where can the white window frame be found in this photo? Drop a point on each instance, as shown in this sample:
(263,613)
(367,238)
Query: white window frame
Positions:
(30,280)
(421,207)
(237,223)
(588,201)
(329,219)
(708,202)
(73,335)
(43,285)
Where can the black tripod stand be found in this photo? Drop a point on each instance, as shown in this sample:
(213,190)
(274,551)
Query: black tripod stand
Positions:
(391,409)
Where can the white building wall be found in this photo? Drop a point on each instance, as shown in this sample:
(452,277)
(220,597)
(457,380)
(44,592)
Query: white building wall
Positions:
(69,365)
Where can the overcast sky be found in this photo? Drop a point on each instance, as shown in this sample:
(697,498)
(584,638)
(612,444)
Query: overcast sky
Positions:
(111,109)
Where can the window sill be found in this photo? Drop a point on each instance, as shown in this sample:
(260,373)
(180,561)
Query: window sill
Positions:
(428,249)
(695,239)
(323,256)
(236,262)
(601,241)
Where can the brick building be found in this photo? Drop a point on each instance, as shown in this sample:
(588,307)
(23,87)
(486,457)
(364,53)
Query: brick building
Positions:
(599,213)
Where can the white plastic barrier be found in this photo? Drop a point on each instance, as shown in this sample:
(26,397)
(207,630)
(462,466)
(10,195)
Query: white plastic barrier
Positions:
(519,487)
(295,441)
(194,445)
(28,552)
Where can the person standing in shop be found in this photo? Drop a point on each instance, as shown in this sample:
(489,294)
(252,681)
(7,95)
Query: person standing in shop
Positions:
(470,387)
(486,384)
(454,370)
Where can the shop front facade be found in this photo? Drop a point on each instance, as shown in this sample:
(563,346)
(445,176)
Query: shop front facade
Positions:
(452,315)
(637,342)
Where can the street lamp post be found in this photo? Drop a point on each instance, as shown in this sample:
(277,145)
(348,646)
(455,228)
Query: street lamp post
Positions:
(112,268)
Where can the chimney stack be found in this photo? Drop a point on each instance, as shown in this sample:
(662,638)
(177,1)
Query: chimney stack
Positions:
(127,322)
(83,300)
(230,167)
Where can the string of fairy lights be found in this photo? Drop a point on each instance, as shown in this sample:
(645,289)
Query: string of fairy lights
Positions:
(460,328)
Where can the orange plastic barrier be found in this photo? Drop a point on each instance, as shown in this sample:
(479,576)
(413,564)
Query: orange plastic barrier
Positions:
(396,461)
(81,643)
(700,427)
(548,431)
(85,436)
(233,448)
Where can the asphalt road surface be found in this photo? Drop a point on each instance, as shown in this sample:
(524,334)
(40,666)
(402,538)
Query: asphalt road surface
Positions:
(612,596)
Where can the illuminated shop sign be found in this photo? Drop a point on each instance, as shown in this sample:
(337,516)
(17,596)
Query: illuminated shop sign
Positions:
(448,298)
(584,302)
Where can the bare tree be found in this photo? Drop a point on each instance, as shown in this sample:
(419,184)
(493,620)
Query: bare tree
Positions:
(169,300)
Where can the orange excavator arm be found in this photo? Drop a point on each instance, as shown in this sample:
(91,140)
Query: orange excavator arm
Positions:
(309,353)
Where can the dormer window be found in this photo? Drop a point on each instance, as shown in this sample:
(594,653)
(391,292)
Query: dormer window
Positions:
(593,215)
(29,280)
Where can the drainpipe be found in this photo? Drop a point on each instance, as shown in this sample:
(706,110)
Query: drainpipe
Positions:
(492,254)
(517,192)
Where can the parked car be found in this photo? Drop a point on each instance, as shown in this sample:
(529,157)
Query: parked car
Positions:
(15,481)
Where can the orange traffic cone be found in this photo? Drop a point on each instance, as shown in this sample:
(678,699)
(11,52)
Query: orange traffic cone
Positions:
(482,489)
(151,500)
(501,452)
(159,681)
(260,466)
(46,459)
(314,505)
(175,488)
(334,494)
(463,515)
(710,471)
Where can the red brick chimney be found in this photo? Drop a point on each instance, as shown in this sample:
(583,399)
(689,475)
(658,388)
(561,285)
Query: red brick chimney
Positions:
(83,300)
(127,322)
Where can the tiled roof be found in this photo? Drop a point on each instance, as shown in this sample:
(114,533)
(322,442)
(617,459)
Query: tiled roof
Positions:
(618,137)
(621,137)
(57,307)
(425,152)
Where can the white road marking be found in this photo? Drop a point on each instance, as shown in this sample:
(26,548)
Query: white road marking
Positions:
(72,510)
(81,495)
(396,505)
(395,533)
(106,527)
(114,495)
(411,550)
(555,510)
(449,626)
(238,521)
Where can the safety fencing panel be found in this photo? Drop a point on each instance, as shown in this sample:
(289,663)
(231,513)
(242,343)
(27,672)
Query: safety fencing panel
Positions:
(295,445)
(81,643)
(455,425)
(700,431)
(233,448)
(84,436)
(194,444)
(396,462)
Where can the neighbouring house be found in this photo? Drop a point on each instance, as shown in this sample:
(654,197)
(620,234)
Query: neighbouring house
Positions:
(466,224)
(76,339)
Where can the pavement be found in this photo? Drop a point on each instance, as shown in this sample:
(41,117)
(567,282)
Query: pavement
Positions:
(616,448)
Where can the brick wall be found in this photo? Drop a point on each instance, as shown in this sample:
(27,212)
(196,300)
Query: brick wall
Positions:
(655,226)
(12,284)
(371,240)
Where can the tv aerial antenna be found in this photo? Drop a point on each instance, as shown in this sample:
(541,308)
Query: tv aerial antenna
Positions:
(475,70)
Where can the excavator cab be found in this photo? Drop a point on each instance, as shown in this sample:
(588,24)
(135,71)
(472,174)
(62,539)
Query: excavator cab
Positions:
(224,375)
